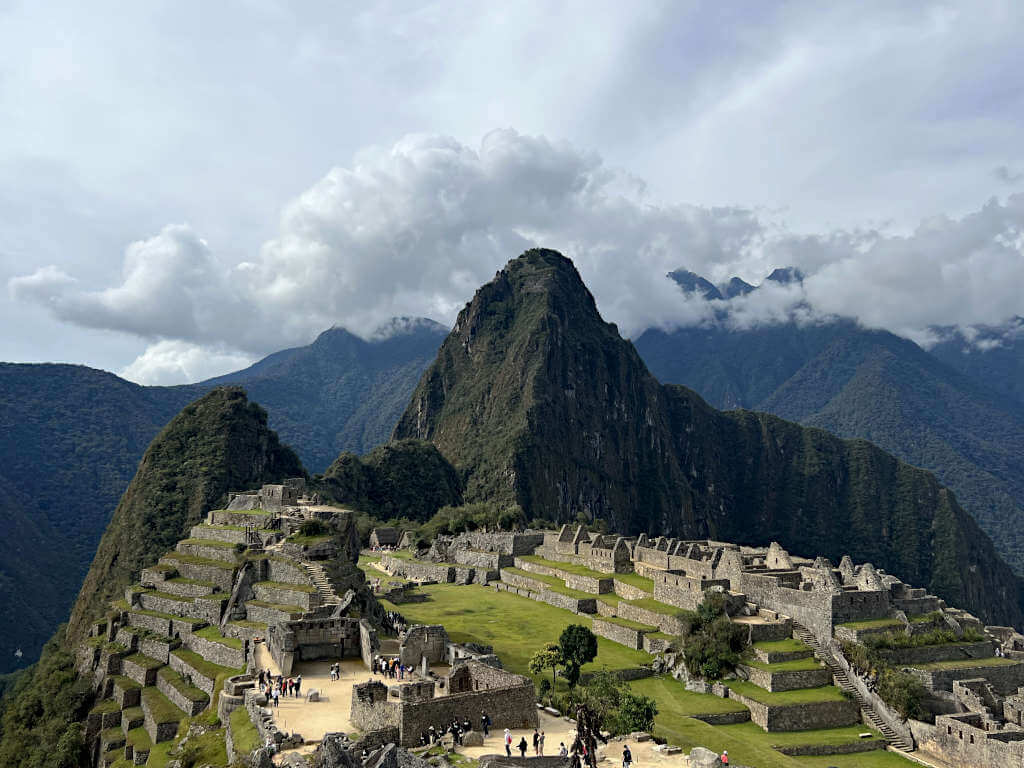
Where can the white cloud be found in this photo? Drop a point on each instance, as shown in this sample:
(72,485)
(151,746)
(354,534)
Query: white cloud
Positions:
(413,230)
(179,362)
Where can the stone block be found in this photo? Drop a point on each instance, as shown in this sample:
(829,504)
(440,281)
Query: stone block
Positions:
(473,739)
(313,695)
(702,758)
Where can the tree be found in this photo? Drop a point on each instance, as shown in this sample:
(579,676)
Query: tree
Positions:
(616,708)
(548,656)
(578,646)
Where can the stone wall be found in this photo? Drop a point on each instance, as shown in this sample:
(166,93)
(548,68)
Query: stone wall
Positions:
(157,648)
(565,602)
(791,680)
(926,654)
(959,743)
(369,644)
(312,639)
(724,718)
(371,708)
(140,674)
(415,571)
(1004,679)
(222,577)
(505,543)
(265,614)
(424,641)
(206,684)
(271,593)
(588,583)
(631,638)
(286,572)
(800,717)
(218,653)
(211,533)
(628,591)
(208,551)
(683,591)
(180,700)
(670,625)
(487,560)
(157,730)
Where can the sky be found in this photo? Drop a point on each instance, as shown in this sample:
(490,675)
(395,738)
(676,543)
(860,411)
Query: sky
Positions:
(186,187)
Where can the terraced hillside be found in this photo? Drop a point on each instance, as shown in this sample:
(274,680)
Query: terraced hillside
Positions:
(162,652)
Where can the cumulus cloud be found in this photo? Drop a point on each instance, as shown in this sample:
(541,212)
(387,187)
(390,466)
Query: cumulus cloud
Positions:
(413,230)
(177,362)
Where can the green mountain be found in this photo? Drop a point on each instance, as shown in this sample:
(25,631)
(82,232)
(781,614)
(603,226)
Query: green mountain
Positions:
(994,355)
(866,384)
(536,400)
(71,439)
(217,443)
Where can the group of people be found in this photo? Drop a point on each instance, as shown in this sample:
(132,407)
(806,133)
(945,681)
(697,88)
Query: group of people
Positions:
(522,746)
(391,668)
(276,687)
(336,671)
(457,730)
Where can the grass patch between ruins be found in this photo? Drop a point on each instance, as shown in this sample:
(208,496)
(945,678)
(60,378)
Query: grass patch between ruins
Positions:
(789,645)
(574,568)
(872,624)
(993,661)
(516,626)
(243,732)
(799,665)
(635,580)
(799,696)
(213,634)
(646,628)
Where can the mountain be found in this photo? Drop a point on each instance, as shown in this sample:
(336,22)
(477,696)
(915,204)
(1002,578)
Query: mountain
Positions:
(536,400)
(220,442)
(993,355)
(691,282)
(341,393)
(71,439)
(859,383)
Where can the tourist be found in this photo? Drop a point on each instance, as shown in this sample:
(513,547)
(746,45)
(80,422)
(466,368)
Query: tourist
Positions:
(522,747)
(277,695)
(627,756)
(508,743)
(261,679)
(467,726)
(433,735)
(485,724)
(540,744)
(562,751)
(725,757)
(298,684)
(536,743)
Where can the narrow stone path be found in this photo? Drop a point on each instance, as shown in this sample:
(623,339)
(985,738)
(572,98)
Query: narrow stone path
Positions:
(843,681)
(319,579)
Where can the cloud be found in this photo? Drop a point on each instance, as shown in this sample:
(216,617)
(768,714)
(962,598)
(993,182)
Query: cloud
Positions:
(415,228)
(1006,175)
(179,362)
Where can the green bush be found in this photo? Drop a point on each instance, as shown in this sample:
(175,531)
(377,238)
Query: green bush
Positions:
(578,646)
(903,692)
(311,528)
(618,709)
(711,643)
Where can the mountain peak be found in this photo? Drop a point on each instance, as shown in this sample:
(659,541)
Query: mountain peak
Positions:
(737,287)
(691,282)
(786,276)
(406,326)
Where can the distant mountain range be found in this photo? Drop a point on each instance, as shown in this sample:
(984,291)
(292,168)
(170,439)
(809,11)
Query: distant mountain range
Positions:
(72,438)
(954,409)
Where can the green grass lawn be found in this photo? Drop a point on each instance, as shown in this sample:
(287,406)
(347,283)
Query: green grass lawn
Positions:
(799,696)
(160,707)
(245,735)
(553,583)
(654,606)
(789,645)
(307,588)
(967,663)
(628,624)
(516,626)
(213,634)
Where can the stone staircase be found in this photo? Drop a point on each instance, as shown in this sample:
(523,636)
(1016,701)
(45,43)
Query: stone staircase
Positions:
(843,681)
(318,577)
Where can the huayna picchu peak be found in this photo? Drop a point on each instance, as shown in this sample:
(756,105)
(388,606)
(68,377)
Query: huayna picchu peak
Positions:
(538,402)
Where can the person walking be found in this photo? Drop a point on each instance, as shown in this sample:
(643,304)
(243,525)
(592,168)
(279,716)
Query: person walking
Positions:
(277,695)
(536,743)
(485,724)
(298,685)
(522,747)
(540,744)
(562,751)
(627,756)
(508,743)
(725,757)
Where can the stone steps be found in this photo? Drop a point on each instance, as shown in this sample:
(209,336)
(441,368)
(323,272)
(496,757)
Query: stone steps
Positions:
(842,680)
(318,578)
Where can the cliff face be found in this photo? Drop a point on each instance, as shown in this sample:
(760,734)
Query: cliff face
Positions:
(220,442)
(536,400)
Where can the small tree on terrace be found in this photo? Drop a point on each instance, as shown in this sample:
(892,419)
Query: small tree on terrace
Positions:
(550,656)
(578,646)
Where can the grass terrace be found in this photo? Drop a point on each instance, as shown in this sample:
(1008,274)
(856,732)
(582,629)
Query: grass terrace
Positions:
(144,661)
(193,560)
(260,512)
(259,626)
(191,582)
(105,707)
(292,587)
(297,538)
(162,709)
(244,733)
(181,685)
(213,634)
(799,665)
(139,739)
(575,568)
(646,628)
(168,596)
(872,624)
(276,606)
(675,702)
(967,663)
(193,624)
(124,683)
(789,645)
(635,580)
(799,696)
(201,665)
(209,543)
(654,606)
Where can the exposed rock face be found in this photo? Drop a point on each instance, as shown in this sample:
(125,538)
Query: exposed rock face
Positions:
(537,401)
(218,443)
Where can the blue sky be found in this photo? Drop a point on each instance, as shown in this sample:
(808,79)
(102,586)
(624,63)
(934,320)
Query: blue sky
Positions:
(186,186)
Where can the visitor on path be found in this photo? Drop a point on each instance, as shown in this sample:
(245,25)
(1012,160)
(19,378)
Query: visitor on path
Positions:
(277,695)
(522,747)
(536,743)
(508,743)
(466,726)
(298,684)
(540,744)
(725,757)
(261,679)
(485,724)
(627,756)
(433,735)
(562,751)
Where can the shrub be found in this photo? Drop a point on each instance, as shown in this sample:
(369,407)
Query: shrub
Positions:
(617,708)
(313,528)
(711,643)
(578,646)
(903,692)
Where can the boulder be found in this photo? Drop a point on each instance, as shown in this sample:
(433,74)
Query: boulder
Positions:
(703,758)
(313,695)
(472,739)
